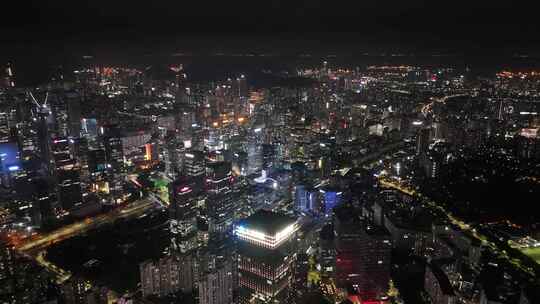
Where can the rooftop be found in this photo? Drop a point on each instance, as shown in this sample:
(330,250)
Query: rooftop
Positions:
(267,222)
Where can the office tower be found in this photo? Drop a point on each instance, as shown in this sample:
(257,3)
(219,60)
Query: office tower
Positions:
(114,155)
(73,104)
(422,141)
(69,189)
(217,279)
(42,127)
(9,78)
(330,198)
(268,156)
(89,127)
(81,149)
(10,164)
(8,121)
(362,255)
(254,149)
(185,194)
(97,162)
(171,156)
(60,148)
(181,97)
(266,257)
(242,86)
(221,201)
(194,164)
(66,173)
(45,202)
(307,199)
(65,109)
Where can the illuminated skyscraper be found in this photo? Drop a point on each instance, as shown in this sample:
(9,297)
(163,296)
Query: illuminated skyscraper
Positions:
(266,257)
(217,280)
(66,173)
(115,162)
(43,137)
(9,78)
(171,156)
(220,204)
(184,195)
(194,164)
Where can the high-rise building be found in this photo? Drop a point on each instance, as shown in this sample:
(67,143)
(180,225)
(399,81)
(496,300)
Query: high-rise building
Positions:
(80,148)
(221,201)
(9,78)
(43,137)
(171,156)
(216,285)
(266,257)
(306,198)
(422,141)
(362,255)
(330,198)
(438,286)
(194,164)
(185,194)
(73,101)
(66,173)
(242,86)
(217,278)
(168,275)
(114,154)
(268,156)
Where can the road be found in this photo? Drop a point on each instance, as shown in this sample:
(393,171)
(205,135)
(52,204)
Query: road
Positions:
(466,228)
(35,248)
(42,241)
(428,107)
(377,154)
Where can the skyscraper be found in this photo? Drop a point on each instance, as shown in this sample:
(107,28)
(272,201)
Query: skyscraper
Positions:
(217,280)
(69,187)
(422,141)
(362,255)
(167,275)
(184,195)
(194,164)
(221,202)
(9,78)
(216,285)
(266,257)
(115,162)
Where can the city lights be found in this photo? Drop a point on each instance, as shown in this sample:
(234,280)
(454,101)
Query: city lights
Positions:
(269,241)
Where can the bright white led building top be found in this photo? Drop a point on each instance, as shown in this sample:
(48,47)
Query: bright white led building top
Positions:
(266,229)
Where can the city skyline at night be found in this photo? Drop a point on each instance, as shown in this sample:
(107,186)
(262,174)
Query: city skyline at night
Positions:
(269,152)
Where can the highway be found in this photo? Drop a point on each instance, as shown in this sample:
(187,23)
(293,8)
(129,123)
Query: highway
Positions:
(428,107)
(42,241)
(35,247)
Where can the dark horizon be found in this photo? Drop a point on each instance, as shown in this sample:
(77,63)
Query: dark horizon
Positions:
(421,26)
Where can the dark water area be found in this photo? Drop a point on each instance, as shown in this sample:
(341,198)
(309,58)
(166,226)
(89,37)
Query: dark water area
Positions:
(117,249)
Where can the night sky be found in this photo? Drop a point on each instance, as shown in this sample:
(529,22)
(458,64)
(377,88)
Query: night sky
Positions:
(412,24)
